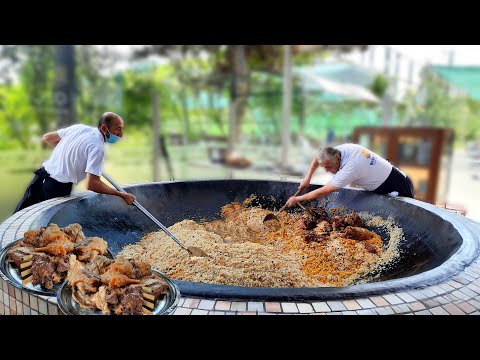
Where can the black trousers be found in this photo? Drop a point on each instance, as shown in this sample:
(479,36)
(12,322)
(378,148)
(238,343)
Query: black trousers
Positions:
(396,182)
(41,188)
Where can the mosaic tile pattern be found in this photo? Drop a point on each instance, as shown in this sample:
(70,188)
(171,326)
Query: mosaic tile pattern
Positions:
(459,295)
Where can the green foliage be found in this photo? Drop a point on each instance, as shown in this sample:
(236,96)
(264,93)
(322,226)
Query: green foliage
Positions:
(96,93)
(379,85)
(435,105)
(17,118)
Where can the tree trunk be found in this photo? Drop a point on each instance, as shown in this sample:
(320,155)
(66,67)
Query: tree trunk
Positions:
(186,118)
(239,92)
(64,94)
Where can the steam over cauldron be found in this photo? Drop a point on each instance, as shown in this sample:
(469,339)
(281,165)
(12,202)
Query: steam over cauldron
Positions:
(438,243)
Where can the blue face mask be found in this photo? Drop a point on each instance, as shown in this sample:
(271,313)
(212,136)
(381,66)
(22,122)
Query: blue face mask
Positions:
(113,138)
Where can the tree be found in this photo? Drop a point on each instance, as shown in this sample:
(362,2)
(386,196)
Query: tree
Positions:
(234,63)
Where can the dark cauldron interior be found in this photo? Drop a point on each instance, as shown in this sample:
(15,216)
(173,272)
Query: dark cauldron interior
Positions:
(430,240)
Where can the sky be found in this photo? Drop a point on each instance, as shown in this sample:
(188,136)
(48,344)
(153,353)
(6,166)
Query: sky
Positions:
(439,54)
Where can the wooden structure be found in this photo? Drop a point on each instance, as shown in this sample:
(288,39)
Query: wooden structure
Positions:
(424,154)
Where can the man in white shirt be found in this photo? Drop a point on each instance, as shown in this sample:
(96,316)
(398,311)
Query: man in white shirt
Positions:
(78,153)
(355,165)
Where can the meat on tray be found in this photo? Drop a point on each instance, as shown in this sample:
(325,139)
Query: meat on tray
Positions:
(121,287)
(42,256)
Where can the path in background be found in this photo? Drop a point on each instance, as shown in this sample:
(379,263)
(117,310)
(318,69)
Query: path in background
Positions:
(464,189)
(131,166)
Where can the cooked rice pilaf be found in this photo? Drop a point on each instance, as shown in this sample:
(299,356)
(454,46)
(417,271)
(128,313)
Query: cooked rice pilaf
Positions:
(270,254)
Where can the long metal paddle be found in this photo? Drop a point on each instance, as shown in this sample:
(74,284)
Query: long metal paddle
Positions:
(193,250)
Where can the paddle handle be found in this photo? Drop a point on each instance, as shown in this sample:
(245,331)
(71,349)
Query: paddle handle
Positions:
(284,206)
(145,211)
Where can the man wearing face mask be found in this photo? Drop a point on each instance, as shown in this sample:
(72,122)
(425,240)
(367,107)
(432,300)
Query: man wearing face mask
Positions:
(78,153)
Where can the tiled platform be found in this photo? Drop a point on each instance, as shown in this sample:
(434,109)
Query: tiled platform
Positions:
(459,295)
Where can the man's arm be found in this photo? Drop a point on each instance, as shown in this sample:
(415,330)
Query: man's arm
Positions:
(325,190)
(95,184)
(308,177)
(51,139)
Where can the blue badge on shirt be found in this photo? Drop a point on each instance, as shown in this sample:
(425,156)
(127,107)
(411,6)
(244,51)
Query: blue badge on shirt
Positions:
(373,160)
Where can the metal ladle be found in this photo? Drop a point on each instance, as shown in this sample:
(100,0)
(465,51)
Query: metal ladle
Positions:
(269,217)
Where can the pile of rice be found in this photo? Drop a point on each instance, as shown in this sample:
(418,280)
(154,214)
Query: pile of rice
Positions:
(264,255)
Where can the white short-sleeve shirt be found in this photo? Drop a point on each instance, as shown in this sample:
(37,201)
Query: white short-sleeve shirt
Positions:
(81,150)
(361,167)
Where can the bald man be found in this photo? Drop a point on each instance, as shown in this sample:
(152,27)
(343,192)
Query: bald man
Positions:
(78,154)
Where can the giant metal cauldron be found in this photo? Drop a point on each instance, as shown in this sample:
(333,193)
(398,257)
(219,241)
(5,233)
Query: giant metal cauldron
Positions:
(438,243)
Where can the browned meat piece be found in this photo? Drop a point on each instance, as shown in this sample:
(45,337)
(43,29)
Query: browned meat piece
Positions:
(61,246)
(18,252)
(155,285)
(341,222)
(323,227)
(63,263)
(311,236)
(51,234)
(74,232)
(320,214)
(86,288)
(358,233)
(43,271)
(122,266)
(131,302)
(89,248)
(140,269)
(370,248)
(100,264)
(111,296)
(85,300)
(117,280)
(307,223)
(33,237)
(100,301)
(78,273)
(353,219)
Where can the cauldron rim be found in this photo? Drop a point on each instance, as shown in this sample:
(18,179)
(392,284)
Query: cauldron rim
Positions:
(463,256)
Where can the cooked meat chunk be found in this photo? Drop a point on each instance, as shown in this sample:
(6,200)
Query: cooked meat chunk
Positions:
(51,234)
(311,236)
(140,269)
(323,227)
(61,246)
(74,233)
(18,252)
(62,263)
(370,248)
(117,280)
(43,271)
(341,222)
(79,273)
(87,249)
(307,223)
(100,300)
(320,214)
(33,237)
(131,301)
(155,285)
(100,264)
(357,233)
(84,299)
(122,266)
